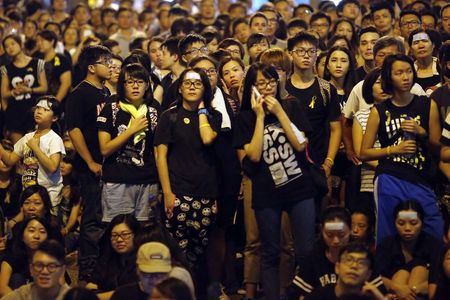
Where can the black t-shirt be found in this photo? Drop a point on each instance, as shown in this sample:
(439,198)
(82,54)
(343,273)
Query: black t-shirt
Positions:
(442,98)
(428,82)
(83,106)
(417,167)
(128,292)
(54,69)
(389,256)
(192,165)
(10,197)
(132,163)
(169,91)
(360,74)
(19,265)
(281,174)
(320,113)
(323,293)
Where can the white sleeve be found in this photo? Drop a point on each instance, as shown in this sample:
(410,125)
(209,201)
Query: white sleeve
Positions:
(19,146)
(352,104)
(56,145)
(418,90)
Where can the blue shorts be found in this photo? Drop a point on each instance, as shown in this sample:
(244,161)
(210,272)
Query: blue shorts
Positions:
(122,198)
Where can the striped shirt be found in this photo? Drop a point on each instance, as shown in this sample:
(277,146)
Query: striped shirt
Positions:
(367,173)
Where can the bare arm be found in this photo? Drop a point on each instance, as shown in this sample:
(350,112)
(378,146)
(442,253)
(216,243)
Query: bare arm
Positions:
(333,146)
(207,134)
(108,146)
(8,157)
(158,94)
(6,91)
(163,172)
(72,217)
(64,87)
(50,164)
(347,137)
(43,84)
(5,276)
(357,134)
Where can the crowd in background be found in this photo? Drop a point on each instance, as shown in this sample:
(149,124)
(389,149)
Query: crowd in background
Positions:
(206,150)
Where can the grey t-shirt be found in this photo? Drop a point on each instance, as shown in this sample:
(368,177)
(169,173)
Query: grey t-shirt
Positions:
(29,292)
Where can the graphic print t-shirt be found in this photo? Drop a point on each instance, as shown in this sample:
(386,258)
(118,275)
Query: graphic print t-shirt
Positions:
(132,163)
(414,168)
(34,173)
(281,173)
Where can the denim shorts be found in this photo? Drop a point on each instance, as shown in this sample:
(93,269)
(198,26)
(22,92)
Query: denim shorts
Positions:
(122,198)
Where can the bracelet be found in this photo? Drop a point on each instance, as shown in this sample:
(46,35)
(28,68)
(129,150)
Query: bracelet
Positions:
(205,125)
(388,150)
(203,111)
(330,160)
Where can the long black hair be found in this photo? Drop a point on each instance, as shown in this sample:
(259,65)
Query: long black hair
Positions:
(268,71)
(133,70)
(207,91)
(349,81)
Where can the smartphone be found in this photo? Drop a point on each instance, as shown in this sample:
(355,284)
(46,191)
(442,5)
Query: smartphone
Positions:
(257,93)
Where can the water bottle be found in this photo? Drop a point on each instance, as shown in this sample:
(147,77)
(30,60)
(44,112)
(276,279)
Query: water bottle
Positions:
(409,136)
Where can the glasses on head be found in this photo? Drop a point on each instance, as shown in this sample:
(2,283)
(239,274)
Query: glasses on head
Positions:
(188,83)
(39,267)
(132,82)
(302,52)
(410,23)
(350,260)
(197,51)
(123,235)
(263,84)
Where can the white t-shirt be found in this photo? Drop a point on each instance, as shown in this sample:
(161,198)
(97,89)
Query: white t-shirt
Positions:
(34,173)
(356,102)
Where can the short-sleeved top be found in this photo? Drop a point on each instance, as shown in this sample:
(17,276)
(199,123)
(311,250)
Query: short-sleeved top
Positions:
(317,271)
(389,256)
(132,163)
(83,106)
(10,197)
(19,265)
(281,175)
(170,91)
(323,293)
(414,168)
(30,292)
(34,173)
(128,292)
(54,69)
(445,137)
(192,165)
(320,113)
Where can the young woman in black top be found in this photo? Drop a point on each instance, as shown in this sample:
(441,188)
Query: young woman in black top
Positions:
(407,127)
(407,260)
(187,165)
(22,80)
(271,133)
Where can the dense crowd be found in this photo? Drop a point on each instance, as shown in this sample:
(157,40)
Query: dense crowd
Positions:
(158,147)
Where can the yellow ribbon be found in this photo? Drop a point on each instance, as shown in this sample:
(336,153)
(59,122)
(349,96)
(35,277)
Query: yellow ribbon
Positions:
(135,113)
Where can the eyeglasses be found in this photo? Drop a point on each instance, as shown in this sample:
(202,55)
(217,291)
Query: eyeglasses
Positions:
(123,235)
(263,84)
(324,25)
(115,67)
(132,82)
(302,52)
(211,71)
(234,51)
(197,51)
(350,260)
(410,23)
(106,62)
(39,267)
(196,83)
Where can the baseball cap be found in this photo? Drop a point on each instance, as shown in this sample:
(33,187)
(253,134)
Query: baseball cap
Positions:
(154,257)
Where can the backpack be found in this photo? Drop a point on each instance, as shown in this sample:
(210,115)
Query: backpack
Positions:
(325,90)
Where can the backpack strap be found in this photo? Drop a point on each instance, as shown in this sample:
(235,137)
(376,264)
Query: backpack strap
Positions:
(114,109)
(325,90)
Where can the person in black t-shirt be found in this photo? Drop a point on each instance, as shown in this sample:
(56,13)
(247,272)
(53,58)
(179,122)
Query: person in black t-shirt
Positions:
(271,132)
(126,128)
(354,268)
(58,68)
(186,163)
(83,106)
(318,97)
(22,80)
(408,260)
(407,127)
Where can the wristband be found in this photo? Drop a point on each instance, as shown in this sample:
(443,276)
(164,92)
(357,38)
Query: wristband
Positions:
(330,160)
(203,111)
(205,125)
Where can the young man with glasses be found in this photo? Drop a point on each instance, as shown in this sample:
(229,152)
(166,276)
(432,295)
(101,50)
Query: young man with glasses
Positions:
(83,106)
(409,21)
(320,23)
(47,268)
(192,46)
(273,19)
(354,269)
(319,98)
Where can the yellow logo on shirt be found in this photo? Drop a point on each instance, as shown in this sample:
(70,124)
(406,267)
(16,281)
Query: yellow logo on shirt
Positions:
(313,102)
(186,121)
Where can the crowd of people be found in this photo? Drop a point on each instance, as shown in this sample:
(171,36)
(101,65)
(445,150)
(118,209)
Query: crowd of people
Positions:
(156,147)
